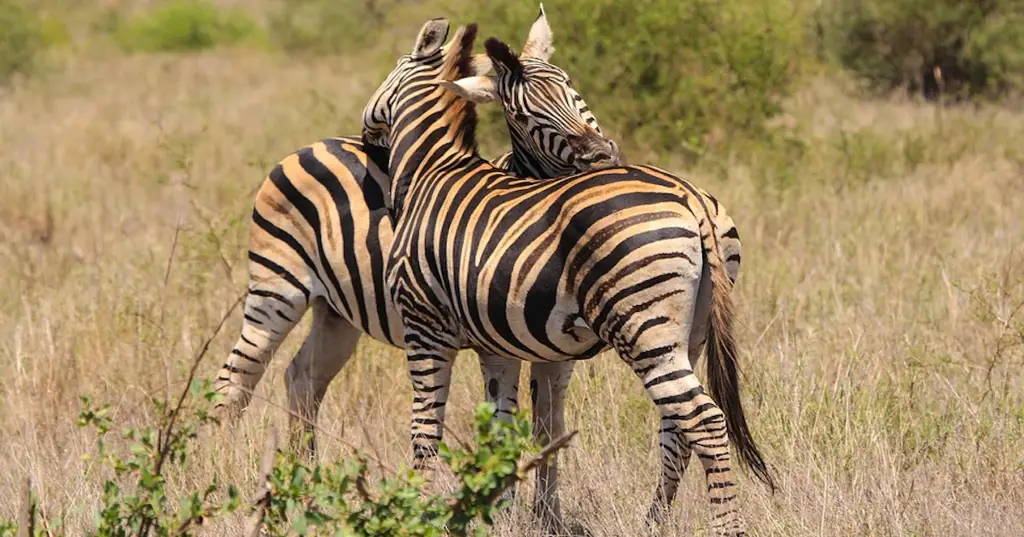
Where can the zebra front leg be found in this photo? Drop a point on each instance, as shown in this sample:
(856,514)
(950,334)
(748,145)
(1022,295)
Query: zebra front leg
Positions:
(501,384)
(329,345)
(501,387)
(681,400)
(431,374)
(548,385)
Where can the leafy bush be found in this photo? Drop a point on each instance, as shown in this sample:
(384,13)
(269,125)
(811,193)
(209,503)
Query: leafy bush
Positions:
(21,39)
(185,25)
(336,499)
(329,25)
(673,74)
(330,499)
(978,47)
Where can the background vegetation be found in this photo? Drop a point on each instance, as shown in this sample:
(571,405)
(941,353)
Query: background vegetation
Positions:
(882,289)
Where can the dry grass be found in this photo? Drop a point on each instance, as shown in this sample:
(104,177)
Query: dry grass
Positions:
(881,300)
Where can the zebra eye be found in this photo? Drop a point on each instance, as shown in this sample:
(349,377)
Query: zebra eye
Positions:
(568,82)
(519,116)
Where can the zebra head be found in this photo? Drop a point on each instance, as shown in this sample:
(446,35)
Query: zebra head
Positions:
(548,120)
(427,55)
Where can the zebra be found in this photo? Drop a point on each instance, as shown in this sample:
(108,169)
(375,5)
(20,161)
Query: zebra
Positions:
(319,232)
(556,270)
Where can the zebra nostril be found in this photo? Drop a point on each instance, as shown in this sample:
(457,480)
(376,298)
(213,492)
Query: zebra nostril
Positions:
(597,156)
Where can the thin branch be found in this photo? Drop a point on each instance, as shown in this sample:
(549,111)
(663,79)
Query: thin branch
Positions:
(262,498)
(522,471)
(167,272)
(165,445)
(27,524)
(549,450)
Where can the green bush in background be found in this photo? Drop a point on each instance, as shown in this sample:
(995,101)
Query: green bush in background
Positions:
(21,39)
(672,74)
(184,25)
(978,46)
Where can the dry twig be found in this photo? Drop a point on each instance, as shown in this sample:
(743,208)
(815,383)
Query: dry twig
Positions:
(262,498)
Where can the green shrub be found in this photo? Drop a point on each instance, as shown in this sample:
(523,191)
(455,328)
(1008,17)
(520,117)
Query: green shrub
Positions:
(337,499)
(673,74)
(978,47)
(331,26)
(21,39)
(184,25)
(330,499)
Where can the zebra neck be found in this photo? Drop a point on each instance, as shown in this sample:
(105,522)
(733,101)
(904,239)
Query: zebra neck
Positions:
(428,142)
(524,162)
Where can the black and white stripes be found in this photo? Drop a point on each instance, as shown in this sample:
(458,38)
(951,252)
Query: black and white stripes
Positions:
(556,270)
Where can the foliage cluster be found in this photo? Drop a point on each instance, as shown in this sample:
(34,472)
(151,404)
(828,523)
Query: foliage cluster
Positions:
(977,47)
(338,498)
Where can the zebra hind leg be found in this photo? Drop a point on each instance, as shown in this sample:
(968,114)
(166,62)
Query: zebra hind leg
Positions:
(329,345)
(268,318)
(675,458)
(675,451)
(700,423)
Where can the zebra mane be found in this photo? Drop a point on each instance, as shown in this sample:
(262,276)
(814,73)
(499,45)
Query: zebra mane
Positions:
(459,64)
(503,54)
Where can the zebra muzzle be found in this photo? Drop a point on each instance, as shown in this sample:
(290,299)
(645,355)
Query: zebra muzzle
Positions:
(594,153)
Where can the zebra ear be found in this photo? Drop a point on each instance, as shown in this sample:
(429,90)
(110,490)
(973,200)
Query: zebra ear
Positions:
(502,56)
(539,44)
(431,37)
(478,89)
(481,65)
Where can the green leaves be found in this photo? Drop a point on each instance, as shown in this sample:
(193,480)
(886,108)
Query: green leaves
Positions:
(341,499)
(136,501)
(669,74)
(337,499)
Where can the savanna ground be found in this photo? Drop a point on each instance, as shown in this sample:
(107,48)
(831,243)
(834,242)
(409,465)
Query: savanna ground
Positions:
(881,297)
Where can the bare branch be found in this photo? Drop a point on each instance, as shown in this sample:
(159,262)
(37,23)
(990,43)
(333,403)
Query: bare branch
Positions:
(27,524)
(176,411)
(262,497)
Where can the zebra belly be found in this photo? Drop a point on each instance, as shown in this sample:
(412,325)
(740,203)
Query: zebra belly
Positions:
(556,335)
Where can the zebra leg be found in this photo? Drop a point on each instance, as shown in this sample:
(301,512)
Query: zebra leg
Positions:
(501,384)
(431,374)
(681,400)
(675,458)
(548,385)
(501,387)
(675,451)
(268,318)
(329,345)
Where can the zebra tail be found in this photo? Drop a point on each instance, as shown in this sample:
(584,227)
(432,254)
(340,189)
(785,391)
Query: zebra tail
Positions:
(723,360)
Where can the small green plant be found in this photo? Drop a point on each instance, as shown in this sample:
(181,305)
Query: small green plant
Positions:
(330,499)
(338,499)
(184,25)
(146,508)
(21,39)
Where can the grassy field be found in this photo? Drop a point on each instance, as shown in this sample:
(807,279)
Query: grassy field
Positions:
(881,294)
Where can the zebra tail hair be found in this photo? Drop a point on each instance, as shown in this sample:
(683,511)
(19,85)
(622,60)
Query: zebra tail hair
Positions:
(723,364)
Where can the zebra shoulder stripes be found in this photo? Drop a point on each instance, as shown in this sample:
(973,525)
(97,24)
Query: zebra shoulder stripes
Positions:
(555,270)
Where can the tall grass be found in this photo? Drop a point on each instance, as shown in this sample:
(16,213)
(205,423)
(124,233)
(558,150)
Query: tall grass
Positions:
(881,299)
